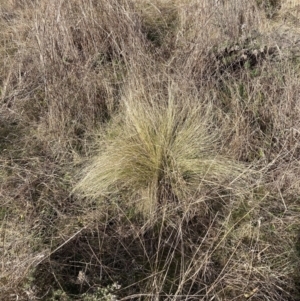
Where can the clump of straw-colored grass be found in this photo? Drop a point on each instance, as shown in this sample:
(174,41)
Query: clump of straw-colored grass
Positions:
(158,151)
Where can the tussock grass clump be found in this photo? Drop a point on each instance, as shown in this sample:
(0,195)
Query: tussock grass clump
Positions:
(159,149)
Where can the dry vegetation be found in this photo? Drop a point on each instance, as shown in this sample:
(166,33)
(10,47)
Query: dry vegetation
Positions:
(149,150)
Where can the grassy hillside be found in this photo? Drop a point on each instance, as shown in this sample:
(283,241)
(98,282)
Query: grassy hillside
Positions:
(149,150)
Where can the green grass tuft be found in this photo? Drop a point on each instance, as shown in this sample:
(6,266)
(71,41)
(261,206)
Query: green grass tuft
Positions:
(158,151)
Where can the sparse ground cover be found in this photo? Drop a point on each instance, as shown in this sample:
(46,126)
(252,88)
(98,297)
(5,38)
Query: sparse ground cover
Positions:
(149,150)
